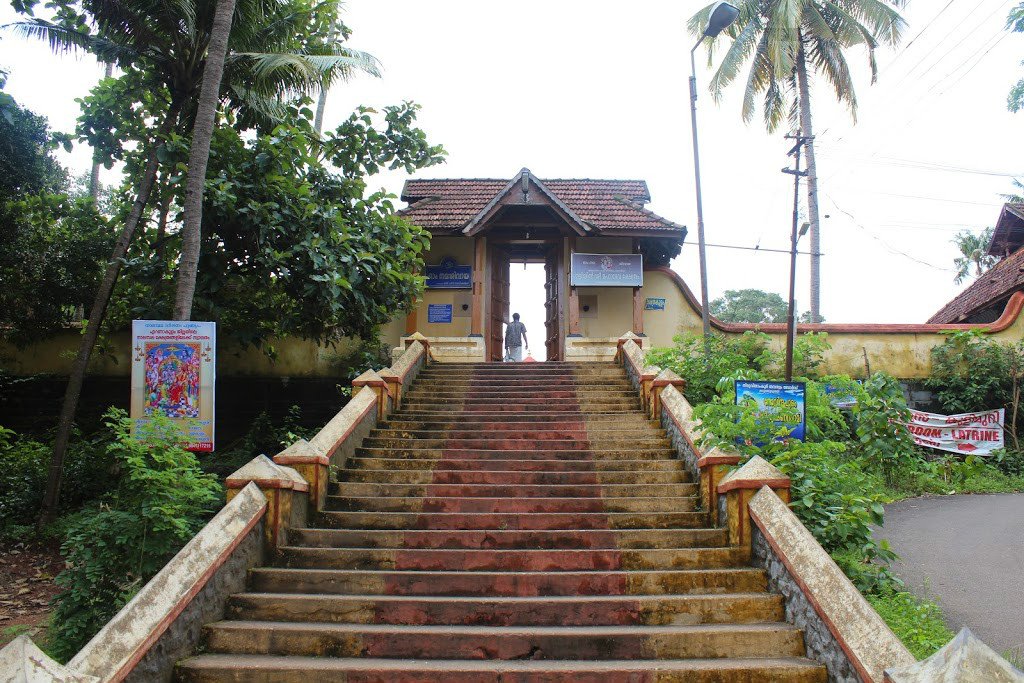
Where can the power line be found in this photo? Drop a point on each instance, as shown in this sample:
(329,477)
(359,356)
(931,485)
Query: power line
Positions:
(764,249)
(885,244)
(914,39)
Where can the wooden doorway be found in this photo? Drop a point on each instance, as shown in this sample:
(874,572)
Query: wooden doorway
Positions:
(499,263)
(552,302)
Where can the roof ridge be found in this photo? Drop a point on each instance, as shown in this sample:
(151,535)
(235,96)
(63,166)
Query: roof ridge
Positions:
(644,210)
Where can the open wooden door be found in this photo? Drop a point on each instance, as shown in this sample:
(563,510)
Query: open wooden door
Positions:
(552,313)
(499,304)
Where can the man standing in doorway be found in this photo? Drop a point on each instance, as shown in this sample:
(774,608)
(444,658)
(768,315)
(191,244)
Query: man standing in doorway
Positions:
(515,339)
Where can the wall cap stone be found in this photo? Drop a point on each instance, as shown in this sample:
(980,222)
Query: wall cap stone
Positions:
(22,662)
(755,473)
(333,434)
(667,377)
(717,456)
(370,378)
(965,659)
(301,452)
(125,639)
(865,638)
(266,474)
(649,372)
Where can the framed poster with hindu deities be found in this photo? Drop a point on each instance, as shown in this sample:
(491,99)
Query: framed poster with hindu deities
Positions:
(174,366)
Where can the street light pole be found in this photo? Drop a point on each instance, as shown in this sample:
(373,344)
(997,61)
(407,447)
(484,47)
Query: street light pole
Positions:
(704,313)
(719,19)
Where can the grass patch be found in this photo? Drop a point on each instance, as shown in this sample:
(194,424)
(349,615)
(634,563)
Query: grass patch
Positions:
(915,621)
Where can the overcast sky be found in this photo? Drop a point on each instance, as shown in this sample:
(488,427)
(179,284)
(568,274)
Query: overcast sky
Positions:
(597,89)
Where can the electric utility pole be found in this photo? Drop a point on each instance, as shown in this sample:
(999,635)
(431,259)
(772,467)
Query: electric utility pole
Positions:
(797,174)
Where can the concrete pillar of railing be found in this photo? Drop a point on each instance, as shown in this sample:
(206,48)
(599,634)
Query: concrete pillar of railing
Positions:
(663,379)
(629,336)
(371,381)
(739,486)
(418,337)
(21,660)
(313,466)
(713,466)
(965,659)
(647,376)
(394,384)
(286,493)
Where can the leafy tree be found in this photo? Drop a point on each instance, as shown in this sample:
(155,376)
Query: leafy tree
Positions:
(277,49)
(27,165)
(292,243)
(785,43)
(973,254)
(750,306)
(1017,196)
(1015,22)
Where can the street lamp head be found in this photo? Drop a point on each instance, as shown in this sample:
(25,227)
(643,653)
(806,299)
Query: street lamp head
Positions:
(722,14)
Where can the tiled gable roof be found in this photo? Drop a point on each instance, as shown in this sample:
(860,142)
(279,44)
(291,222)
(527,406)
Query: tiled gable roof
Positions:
(1009,232)
(612,206)
(1000,281)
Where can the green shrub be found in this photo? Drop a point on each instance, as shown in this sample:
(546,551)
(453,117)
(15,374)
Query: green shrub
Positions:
(24,462)
(705,362)
(918,623)
(883,441)
(159,501)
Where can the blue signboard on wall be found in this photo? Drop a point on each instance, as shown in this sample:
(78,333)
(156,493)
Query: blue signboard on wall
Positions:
(439,313)
(654,303)
(775,397)
(607,270)
(449,275)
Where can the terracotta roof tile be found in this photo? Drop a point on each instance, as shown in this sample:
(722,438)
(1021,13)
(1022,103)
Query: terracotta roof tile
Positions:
(448,204)
(1000,281)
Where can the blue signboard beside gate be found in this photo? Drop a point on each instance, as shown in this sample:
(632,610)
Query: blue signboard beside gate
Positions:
(449,275)
(773,397)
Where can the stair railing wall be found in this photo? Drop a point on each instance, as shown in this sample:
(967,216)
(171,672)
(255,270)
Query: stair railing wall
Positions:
(842,630)
(265,498)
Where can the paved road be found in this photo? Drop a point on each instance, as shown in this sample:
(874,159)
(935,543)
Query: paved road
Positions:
(968,553)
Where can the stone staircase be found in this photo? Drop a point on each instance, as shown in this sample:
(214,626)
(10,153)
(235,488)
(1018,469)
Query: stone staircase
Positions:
(513,522)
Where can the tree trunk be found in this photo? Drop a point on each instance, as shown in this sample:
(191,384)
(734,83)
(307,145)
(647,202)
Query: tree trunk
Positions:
(807,130)
(94,177)
(199,157)
(51,498)
(318,119)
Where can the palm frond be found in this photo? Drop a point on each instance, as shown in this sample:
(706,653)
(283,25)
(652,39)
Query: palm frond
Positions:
(885,22)
(783,28)
(759,78)
(60,39)
(735,57)
(828,59)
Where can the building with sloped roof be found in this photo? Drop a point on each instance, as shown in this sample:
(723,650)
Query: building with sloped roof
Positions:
(594,237)
(986,298)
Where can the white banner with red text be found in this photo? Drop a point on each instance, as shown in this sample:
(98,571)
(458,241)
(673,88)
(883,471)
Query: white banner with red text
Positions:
(967,434)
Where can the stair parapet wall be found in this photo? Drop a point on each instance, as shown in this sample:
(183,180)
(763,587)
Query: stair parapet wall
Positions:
(164,621)
(841,629)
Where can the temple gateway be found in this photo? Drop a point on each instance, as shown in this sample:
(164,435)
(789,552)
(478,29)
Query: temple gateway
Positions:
(605,260)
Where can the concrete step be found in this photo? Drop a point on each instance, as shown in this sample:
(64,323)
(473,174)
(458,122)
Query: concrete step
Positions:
(508,465)
(578,431)
(513,505)
(605,610)
(628,422)
(364,489)
(519,560)
(415,449)
(522,401)
(212,668)
(447,476)
(508,643)
(503,442)
(445,416)
(508,584)
(577,539)
(554,383)
(524,521)
(516,393)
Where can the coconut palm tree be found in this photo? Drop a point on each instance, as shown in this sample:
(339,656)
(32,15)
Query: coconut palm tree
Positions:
(973,254)
(276,50)
(785,43)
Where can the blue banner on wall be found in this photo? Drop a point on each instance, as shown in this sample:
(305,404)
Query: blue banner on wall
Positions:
(654,303)
(773,397)
(439,313)
(449,275)
(607,270)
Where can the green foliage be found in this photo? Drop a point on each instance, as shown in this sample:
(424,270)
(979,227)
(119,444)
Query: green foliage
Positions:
(970,371)
(52,253)
(292,244)
(917,622)
(27,165)
(750,306)
(885,444)
(703,363)
(23,467)
(1015,22)
(265,435)
(974,256)
(161,499)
